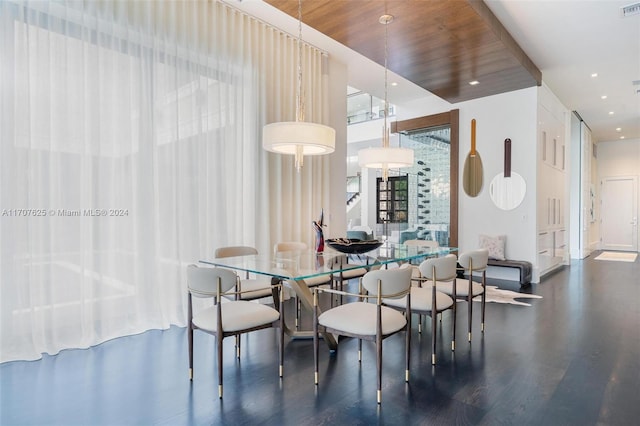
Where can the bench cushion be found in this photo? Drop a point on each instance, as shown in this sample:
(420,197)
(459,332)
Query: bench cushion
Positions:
(495,245)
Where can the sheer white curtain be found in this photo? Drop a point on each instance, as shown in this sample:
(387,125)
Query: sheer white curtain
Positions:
(130,147)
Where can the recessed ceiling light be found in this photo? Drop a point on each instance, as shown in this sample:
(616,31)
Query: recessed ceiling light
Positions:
(618,129)
(474,82)
(621,137)
(610,112)
(603,97)
(595,74)
(394,83)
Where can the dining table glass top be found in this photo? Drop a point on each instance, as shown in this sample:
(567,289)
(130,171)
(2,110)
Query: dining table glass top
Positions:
(301,265)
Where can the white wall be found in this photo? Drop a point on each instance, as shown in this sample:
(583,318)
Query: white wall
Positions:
(618,158)
(509,115)
(421,107)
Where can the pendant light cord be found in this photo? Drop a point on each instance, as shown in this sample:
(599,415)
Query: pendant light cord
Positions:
(299,138)
(385,157)
(300,104)
(385,135)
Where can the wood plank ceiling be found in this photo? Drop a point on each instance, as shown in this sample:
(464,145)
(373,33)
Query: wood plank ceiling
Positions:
(440,45)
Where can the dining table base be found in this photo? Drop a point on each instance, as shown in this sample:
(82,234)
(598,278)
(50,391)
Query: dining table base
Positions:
(306,298)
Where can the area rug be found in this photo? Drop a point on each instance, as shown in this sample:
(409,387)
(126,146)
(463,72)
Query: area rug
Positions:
(617,256)
(498,295)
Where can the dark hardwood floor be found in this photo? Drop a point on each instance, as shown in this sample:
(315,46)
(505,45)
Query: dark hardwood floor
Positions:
(572,358)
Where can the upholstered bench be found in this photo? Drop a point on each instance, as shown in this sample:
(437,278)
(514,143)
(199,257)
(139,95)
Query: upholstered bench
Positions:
(525,268)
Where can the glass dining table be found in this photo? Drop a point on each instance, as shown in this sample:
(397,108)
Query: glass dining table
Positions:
(293,268)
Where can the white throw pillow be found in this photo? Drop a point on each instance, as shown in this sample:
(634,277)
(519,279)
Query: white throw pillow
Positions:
(495,245)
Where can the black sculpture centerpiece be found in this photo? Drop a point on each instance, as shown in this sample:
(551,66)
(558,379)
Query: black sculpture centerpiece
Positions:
(353,246)
(317,226)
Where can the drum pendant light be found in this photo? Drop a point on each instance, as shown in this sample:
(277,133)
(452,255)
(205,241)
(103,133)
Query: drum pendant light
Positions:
(385,157)
(299,137)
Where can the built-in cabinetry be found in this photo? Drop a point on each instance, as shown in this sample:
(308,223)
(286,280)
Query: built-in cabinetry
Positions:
(552,183)
(553,149)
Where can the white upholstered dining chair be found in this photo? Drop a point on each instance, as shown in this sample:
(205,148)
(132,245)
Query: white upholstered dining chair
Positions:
(368,321)
(293,246)
(471,262)
(249,288)
(225,317)
(427,300)
(420,243)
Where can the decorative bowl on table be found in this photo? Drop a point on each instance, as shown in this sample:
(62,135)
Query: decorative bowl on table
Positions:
(352,245)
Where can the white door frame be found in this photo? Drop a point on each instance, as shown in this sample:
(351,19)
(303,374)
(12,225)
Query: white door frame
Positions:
(614,211)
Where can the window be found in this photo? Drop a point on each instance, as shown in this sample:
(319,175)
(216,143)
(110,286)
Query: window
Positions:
(392,200)
(363,107)
(433,204)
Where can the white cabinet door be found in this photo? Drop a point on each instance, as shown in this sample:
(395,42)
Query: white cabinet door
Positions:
(545,250)
(559,246)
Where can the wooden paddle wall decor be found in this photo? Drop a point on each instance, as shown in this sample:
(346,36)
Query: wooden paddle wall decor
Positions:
(472,172)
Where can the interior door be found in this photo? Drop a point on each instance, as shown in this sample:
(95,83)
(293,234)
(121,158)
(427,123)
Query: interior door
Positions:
(619,213)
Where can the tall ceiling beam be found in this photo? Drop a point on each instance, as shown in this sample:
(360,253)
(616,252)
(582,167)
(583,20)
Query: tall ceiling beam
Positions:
(440,45)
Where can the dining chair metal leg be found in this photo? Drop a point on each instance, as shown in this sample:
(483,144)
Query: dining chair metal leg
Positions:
(219,347)
(379,366)
(408,340)
(454,312)
(315,337)
(453,327)
(379,344)
(433,340)
(331,295)
(281,332)
(484,297)
(219,335)
(470,316)
(434,323)
(340,299)
(470,303)
(190,336)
